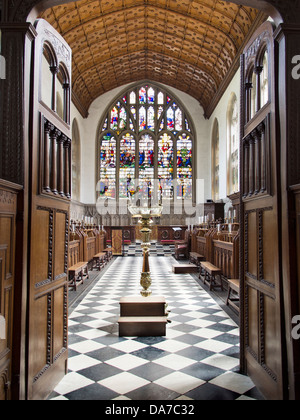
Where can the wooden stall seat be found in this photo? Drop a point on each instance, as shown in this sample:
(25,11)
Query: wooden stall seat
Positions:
(108,252)
(210,273)
(77,274)
(196,258)
(99,260)
(181,250)
(233,286)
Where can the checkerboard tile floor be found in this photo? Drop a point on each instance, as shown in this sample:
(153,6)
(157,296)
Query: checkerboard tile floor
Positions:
(197,360)
(156,249)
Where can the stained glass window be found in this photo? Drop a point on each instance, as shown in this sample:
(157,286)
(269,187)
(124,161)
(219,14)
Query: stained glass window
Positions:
(184,166)
(140,135)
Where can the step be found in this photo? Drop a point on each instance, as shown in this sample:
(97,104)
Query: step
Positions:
(139,306)
(185,268)
(147,326)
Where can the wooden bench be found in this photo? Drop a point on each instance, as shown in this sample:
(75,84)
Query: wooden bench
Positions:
(196,258)
(100,260)
(210,273)
(77,274)
(233,286)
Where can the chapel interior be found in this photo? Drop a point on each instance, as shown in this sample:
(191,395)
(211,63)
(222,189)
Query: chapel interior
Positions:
(184,106)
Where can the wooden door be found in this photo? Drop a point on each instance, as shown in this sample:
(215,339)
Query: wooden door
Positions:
(117,241)
(262,336)
(49,213)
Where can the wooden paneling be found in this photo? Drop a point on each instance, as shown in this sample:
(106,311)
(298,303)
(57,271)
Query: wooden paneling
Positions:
(8,210)
(167,233)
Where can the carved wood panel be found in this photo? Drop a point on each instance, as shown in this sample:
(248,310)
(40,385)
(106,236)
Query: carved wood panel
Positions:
(8,208)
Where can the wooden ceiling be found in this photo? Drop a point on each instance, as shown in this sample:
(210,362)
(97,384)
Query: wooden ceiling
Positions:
(189,44)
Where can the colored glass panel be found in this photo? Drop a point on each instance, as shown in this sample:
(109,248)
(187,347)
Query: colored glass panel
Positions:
(165,166)
(108,152)
(151,118)
(114,118)
(160,98)
(151,95)
(178,119)
(184,167)
(127,164)
(132,98)
(123,119)
(146,165)
(170,119)
(143,96)
(142,118)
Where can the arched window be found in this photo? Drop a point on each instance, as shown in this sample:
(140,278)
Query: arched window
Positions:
(233,146)
(215,162)
(55,84)
(140,136)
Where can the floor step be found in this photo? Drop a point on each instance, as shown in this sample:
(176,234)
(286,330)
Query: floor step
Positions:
(184,268)
(146,326)
(135,306)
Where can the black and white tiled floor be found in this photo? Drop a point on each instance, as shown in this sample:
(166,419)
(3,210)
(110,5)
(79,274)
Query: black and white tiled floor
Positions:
(197,360)
(156,249)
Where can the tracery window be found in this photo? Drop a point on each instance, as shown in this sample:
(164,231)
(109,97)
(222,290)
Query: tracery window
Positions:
(145,136)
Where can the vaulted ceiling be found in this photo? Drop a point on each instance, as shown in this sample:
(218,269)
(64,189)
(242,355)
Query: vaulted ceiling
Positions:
(191,45)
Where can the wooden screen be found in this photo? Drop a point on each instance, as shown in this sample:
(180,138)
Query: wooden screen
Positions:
(261,349)
(49,217)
